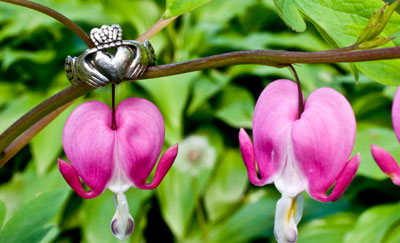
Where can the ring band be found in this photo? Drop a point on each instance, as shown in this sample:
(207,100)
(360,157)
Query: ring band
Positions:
(111,60)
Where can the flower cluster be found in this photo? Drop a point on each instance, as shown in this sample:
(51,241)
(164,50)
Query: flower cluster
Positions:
(297,152)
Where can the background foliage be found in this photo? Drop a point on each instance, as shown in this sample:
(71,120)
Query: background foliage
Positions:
(206,197)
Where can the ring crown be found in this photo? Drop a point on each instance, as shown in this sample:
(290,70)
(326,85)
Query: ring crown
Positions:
(107,36)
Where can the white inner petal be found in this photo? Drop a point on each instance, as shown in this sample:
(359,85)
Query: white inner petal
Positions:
(119,182)
(289,211)
(291,181)
(122,223)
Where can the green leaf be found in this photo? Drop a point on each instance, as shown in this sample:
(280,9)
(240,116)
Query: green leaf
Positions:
(177,195)
(342,21)
(28,222)
(332,228)
(373,224)
(204,88)
(9,91)
(382,137)
(227,185)
(23,187)
(393,236)
(385,72)
(179,7)
(170,94)
(236,107)
(47,144)
(98,212)
(252,220)
(10,56)
(181,188)
(355,72)
(2,213)
(17,107)
(19,21)
(290,14)
(264,40)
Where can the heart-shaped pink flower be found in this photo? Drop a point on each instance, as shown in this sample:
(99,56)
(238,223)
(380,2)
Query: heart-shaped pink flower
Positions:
(115,159)
(297,154)
(382,157)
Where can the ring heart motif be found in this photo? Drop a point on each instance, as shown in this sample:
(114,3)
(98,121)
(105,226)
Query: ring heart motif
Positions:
(113,67)
(100,65)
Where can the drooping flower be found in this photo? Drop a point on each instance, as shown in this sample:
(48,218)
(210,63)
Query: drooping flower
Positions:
(115,159)
(309,153)
(383,158)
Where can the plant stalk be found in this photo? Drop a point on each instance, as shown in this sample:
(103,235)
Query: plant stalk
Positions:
(299,91)
(263,57)
(114,120)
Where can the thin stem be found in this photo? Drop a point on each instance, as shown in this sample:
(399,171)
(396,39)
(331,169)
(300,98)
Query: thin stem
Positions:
(114,120)
(347,48)
(157,27)
(56,15)
(299,90)
(271,58)
(264,57)
(202,221)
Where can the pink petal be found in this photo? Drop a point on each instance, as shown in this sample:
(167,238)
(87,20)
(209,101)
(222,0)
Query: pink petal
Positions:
(166,161)
(323,138)
(88,142)
(275,111)
(247,149)
(387,163)
(140,137)
(396,114)
(72,178)
(342,182)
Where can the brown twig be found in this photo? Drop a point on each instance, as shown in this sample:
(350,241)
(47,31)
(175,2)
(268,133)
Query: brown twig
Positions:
(264,57)
(299,91)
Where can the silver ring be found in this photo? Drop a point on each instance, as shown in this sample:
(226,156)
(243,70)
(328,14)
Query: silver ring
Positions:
(112,60)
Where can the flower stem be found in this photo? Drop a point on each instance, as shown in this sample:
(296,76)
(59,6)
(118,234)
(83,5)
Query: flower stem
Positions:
(263,57)
(56,15)
(114,121)
(299,90)
(157,27)
(273,58)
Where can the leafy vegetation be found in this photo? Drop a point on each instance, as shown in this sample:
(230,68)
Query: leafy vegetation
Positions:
(217,203)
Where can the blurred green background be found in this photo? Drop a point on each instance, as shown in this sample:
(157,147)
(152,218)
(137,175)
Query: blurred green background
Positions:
(206,197)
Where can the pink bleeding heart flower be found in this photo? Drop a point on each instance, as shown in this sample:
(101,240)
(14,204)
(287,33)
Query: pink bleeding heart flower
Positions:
(115,159)
(309,153)
(382,157)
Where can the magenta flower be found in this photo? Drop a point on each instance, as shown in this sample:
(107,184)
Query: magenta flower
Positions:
(382,157)
(309,153)
(115,159)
